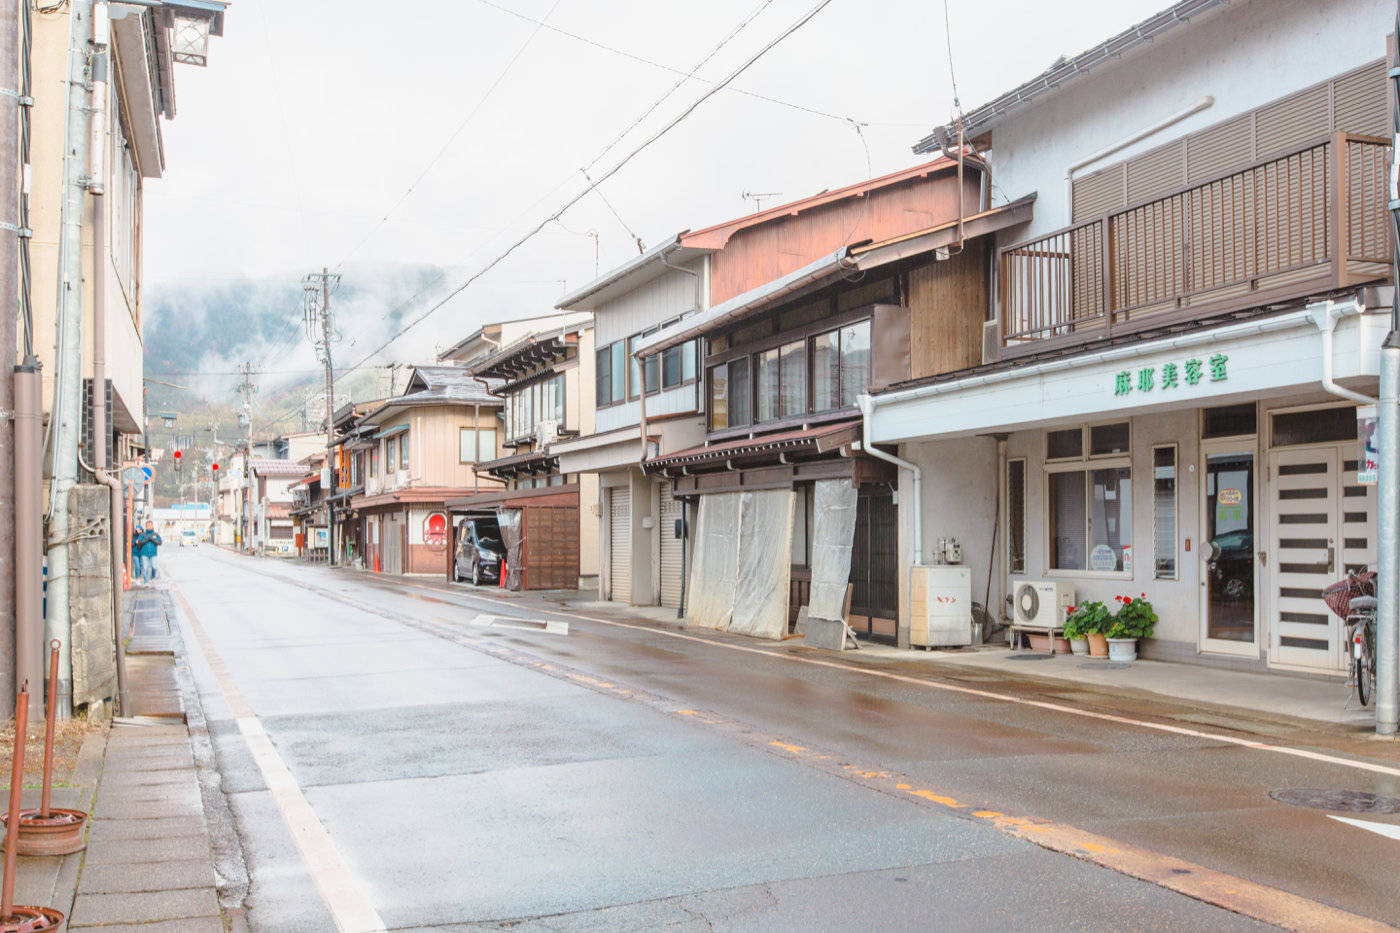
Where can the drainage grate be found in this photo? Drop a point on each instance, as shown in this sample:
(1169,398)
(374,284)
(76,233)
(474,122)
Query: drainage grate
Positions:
(1344,801)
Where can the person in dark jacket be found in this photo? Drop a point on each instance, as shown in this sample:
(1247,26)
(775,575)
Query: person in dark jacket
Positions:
(150,541)
(136,561)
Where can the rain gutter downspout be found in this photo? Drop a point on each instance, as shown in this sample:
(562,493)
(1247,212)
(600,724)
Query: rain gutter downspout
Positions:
(1325,315)
(867,409)
(1203,103)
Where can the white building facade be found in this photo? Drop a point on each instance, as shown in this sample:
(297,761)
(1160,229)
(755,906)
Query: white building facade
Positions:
(1182,343)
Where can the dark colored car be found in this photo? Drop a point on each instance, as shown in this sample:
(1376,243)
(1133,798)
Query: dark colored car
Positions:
(1231,564)
(479,551)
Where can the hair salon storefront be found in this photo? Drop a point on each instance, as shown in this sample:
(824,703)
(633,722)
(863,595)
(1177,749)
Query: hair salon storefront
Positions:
(1211,470)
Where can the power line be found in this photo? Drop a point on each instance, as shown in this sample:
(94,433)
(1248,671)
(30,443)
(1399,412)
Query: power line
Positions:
(481,102)
(617,167)
(948,39)
(641,59)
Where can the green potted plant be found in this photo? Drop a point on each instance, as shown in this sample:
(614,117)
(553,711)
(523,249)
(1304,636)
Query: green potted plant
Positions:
(1085,628)
(1134,619)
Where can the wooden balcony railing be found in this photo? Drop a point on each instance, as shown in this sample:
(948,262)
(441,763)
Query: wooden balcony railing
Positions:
(1309,221)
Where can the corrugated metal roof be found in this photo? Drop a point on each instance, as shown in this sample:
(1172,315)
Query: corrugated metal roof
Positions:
(267,466)
(631,275)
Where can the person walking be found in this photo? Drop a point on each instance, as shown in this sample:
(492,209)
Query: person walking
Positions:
(150,541)
(137,562)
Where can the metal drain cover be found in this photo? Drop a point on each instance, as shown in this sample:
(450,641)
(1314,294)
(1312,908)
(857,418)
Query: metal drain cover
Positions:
(1344,801)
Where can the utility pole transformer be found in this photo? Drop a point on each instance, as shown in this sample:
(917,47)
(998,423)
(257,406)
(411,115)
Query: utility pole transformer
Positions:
(320,329)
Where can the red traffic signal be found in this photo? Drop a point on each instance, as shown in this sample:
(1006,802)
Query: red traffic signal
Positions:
(177,455)
(214,467)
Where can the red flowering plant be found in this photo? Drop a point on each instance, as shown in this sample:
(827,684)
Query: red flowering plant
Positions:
(1135,618)
(1086,619)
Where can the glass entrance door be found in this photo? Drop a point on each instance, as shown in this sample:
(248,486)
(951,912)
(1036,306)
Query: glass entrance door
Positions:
(1229,612)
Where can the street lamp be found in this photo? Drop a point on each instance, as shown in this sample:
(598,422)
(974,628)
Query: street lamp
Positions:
(193,22)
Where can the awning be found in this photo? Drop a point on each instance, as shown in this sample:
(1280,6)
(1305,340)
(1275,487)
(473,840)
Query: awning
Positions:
(815,440)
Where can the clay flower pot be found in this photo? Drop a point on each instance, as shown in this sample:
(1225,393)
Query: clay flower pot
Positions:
(1098,645)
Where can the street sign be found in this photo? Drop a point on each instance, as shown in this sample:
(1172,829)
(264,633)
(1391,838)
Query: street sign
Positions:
(138,474)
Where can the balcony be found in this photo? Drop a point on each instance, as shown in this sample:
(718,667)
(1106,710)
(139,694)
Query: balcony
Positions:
(1310,221)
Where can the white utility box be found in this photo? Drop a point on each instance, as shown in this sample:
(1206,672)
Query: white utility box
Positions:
(940,606)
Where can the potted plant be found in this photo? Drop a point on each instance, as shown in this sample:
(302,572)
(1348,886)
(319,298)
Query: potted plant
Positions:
(1134,619)
(1085,627)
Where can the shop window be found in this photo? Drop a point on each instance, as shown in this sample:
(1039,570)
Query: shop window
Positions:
(1229,421)
(1089,501)
(1316,426)
(1164,512)
(1016,516)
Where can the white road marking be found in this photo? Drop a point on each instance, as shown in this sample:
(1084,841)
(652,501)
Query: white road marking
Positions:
(521,625)
(1385,829)
(1371,766)
(341,891)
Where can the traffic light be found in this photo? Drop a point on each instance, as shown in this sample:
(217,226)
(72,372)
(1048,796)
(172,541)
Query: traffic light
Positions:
(214,467)
(177,461)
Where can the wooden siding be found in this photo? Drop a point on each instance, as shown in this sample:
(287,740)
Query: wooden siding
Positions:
(768,251)
(1353,102)
(434,445)
(668,296)
(947,307)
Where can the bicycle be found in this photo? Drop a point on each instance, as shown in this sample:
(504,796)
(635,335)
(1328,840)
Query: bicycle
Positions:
(1354,600)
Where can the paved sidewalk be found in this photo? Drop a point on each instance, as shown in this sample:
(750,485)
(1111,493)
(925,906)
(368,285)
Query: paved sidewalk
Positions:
(160,853)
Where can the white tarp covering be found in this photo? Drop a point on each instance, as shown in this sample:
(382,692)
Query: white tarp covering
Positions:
(833,528)
(713,569)
(765,564)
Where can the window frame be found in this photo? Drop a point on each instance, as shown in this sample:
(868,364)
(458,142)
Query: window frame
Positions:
(1176,512)
(1085,464)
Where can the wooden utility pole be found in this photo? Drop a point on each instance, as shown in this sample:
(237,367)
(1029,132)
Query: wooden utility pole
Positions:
(245,514)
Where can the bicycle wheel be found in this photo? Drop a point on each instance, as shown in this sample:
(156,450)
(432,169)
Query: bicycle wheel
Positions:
(1360,677)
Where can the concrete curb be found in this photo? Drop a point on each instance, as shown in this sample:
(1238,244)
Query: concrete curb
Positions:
(230,867)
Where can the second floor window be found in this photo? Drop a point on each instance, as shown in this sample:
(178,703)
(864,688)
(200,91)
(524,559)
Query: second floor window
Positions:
(476,445)
(527,406)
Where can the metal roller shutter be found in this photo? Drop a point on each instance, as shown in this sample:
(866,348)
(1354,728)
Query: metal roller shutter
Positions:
(620,544)
(672,550)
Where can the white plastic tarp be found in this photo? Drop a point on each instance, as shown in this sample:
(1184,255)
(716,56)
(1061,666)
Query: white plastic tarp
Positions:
(714,567)
(509,521)
(764,565)
(833,529)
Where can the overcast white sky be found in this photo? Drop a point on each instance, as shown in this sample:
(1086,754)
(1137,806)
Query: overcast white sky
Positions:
(315,116)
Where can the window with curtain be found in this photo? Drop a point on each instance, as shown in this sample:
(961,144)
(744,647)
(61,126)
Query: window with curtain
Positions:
(766,384)
(740,402)
(403,451)
(855,361)
(1164,512)
(794,379)
(719,397)
(391,452)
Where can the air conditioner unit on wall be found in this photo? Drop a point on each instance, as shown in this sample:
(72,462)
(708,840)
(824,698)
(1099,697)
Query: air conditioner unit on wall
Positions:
(1042,603)
(546,432)
(940,606)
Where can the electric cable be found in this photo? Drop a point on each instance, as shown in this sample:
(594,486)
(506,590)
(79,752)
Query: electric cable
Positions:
(715,88)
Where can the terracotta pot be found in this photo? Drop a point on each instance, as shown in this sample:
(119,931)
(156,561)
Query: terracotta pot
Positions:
(1042,643)
(1079,645)
(1098,645)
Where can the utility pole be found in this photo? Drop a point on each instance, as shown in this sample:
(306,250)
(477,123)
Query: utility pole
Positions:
(10,233)
(1388,493)
(320,328)
(245,516)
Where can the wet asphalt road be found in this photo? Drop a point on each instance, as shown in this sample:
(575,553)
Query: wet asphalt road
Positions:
(461,787)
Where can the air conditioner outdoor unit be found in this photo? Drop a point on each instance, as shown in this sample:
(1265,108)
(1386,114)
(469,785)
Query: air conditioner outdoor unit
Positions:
(1042,603)
(940,606)
(372,486)
(991,341)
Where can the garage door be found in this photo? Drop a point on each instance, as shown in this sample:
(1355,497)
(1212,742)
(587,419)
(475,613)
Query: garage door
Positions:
(620,544)
(672,550)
